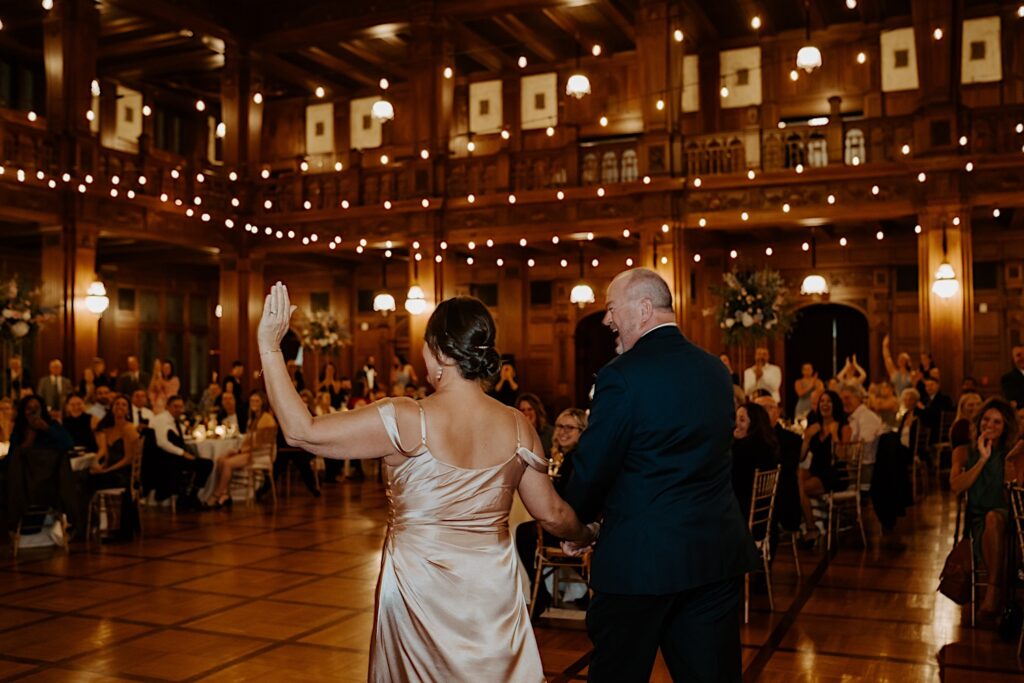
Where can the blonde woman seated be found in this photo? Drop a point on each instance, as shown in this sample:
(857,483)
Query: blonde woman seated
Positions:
(323,404)
(260,433)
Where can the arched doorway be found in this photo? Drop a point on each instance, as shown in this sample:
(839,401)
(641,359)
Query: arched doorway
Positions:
(825,335)
(595,346)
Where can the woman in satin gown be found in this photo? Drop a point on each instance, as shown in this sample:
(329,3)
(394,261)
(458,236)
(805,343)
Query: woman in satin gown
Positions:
(450,606)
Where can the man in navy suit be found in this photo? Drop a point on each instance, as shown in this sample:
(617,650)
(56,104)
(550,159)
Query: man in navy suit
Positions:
(655,463)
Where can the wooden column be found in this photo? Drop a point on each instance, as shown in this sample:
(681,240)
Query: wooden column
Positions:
(70,37)
(242,292)
(653,60)
(946,324)
(659,252)
(242,116)
(68,268)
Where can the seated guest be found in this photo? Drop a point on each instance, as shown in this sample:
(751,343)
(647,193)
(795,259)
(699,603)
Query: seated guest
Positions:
(787,499)
(140,414)
(817,473)
(101,404)
(981,470)
(571,423)
(1012,383)
(178,469)
(118,443)
(37,467)
(99,372)
(935,403)
(6,419)
(228,414)
(323,404)
(302,460)
(33,427)
(891,486)
(259,433)
(78,423)
(532,408)
(754,447)
(210,399)
(882,400)
(966,407)
(865,426)
(307,397)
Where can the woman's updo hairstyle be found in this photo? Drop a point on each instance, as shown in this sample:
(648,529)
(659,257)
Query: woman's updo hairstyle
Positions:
(462,329)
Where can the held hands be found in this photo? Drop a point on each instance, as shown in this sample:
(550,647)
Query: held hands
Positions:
(277,311)
(580,547)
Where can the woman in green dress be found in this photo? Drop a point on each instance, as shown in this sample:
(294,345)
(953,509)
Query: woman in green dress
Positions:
(982,469)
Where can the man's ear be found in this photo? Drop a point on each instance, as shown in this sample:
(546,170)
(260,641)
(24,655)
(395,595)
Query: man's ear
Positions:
(646,310)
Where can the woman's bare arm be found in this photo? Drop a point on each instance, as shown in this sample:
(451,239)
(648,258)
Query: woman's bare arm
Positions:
(355,434)
(545,505)
(960,478)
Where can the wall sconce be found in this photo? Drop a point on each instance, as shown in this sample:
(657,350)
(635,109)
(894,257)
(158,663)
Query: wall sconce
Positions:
(96,300)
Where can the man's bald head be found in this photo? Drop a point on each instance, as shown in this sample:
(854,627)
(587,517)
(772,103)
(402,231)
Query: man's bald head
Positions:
(639,284)
(637,301)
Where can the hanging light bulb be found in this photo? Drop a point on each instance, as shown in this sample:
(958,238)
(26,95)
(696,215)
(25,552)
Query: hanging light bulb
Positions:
(946,285)
(578,85)
(814,284)
(383,301)
(96,300)
(415,300)
(808,57)
(582,293)
(382,110)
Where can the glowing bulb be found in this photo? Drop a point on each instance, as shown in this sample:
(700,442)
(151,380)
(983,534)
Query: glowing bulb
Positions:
(344,203)
(794,75)
(505,135)
(307,205)
(724,91)
(879,235)
(338,166)
(471,198)
(956,220)
(530,263)
(384,159)
(937,34)
(664,260)
(596,50)
(425,203)
(490,243)
(963,140)
(511,199)
(471,146)
(664,227)
(554,240)
(147,110)
(905,150)
(424,154)
(744,216)
(851,4)
(733,254)
(785,207)
(265,173)
(969,166)
(703,222)
(806,246)
(600,192)
(522,242)
(603,121)
(831,199)
(921,177)
(267,204)
(90,115)
(861,58)
(200,105)
(875,190)
(755,23)
(448,72)
(471,245)
(257,97)
(383,83)
(696,258)
(768,251)
(304,166)
(678,35)
(625,232)
(32,116)
(799,168)
(563,263)
(842,241)
(550,131)
(995,212)
(647,180)
(697,182)
(659,105)
(522,62)
(751,175)
(387,204)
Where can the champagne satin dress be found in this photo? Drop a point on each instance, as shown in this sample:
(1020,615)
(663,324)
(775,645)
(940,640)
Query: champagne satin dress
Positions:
(450,605)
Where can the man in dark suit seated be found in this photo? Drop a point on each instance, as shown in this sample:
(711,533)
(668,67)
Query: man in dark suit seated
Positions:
(935,404)
(655,463)
(1012,383)
(178,467)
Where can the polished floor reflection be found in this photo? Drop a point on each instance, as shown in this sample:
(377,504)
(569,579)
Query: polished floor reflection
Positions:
(253,594)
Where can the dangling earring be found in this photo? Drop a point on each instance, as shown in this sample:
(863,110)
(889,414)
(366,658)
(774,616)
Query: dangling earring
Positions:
(440,371)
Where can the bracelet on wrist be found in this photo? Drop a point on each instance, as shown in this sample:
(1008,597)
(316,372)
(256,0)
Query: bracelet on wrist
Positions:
(264,353)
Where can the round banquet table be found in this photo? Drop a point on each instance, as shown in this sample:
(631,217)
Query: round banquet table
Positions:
(214,449)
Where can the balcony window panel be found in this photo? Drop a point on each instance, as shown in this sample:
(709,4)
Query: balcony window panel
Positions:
(609,168)
(817,151)
(630,166)
(855,147)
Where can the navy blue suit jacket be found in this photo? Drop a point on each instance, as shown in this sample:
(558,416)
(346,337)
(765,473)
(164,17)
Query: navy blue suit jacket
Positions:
(655,462)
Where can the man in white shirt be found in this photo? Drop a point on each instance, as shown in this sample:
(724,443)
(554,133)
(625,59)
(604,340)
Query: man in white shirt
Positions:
(865,425)
(99,409)
(177,463)
(141,414)
(762,375)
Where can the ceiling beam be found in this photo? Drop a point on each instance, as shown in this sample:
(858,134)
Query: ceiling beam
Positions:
(359,51)
(342,67)
(197,60)
(566,24)
(331,32)
(175,15)
(296,75)
(157,41)
(480,50)
(697,23)
(612,13)
(121,25)
(535,42)
(471,9)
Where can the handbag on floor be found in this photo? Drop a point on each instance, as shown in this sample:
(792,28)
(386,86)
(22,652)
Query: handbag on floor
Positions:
(955,580)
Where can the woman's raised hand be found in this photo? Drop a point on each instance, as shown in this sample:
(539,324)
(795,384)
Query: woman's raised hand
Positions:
(277,312)
(984,448)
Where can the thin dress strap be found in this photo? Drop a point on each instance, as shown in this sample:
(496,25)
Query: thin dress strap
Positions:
(388,415)
(526,456)
(515,418)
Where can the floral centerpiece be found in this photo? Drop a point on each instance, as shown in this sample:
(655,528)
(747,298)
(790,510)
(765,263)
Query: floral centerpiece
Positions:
(323,332)
(20,313)
(754,305)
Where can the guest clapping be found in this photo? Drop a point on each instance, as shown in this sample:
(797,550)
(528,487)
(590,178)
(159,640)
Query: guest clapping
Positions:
(817,471)
(981,470)
(762,375)
(754,447)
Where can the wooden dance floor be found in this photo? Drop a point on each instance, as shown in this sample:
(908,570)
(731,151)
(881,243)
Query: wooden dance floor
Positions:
(251,594)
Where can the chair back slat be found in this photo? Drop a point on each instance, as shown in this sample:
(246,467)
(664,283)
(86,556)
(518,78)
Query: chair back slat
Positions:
(848,464)
(1017,507)
(762,502)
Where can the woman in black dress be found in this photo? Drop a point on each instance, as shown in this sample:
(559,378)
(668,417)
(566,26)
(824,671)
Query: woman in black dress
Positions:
(754,447)
(817,474)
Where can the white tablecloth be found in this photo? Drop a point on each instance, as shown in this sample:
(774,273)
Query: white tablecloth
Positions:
(215,449)
(83,462)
